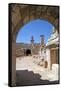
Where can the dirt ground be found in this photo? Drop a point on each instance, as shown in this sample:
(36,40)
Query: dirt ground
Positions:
(29,72)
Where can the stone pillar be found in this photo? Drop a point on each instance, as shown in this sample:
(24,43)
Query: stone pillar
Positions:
(32,41)
(42,40)
(48,58)
(13,63)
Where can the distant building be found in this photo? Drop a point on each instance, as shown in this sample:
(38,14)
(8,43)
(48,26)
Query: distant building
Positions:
(52,49)
(23,49)
(49,52)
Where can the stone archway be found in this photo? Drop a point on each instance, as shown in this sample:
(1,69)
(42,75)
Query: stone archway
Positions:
(28,52)
(22,14)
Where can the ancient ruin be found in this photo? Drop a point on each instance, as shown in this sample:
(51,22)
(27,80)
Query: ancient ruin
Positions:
(22,14)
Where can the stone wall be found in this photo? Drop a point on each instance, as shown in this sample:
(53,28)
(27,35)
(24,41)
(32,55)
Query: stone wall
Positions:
(22,14)
(21,50)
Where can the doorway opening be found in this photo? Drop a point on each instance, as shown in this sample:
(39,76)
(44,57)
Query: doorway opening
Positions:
(28,52)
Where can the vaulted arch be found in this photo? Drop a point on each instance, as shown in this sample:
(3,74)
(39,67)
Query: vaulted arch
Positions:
(22,14)
(28,52)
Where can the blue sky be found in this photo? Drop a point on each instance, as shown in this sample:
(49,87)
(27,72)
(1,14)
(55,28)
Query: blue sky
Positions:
(34,28)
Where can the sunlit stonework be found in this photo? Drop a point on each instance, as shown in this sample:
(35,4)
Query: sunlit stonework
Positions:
(54,37)
(46,62)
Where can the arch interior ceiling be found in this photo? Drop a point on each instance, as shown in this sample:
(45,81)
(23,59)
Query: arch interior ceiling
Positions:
(21,14)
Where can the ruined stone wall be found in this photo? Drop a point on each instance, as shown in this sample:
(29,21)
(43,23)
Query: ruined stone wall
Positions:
(21,50)
(22,14)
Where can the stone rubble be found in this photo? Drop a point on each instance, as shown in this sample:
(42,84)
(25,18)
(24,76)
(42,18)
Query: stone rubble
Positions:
(30,63)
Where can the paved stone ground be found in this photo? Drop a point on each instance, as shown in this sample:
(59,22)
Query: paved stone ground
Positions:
(28,72)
